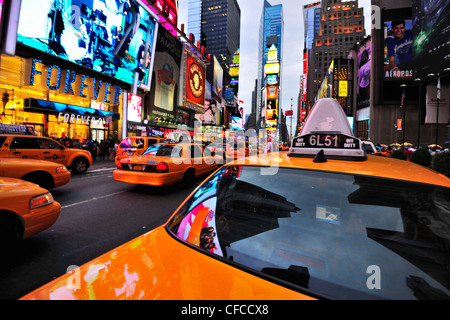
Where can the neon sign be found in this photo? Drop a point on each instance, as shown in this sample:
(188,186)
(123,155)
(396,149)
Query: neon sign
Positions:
(68,82)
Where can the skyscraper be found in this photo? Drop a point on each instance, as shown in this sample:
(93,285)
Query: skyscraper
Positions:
(270,36)
(341,26)
(216,24)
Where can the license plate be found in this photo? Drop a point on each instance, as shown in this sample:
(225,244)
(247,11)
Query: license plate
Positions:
(137,168)
(129,153)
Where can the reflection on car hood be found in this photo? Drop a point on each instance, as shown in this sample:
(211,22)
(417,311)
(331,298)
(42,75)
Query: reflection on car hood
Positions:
(156,266)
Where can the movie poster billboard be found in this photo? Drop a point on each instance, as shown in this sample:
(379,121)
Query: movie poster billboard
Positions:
(398,50)
(112,37)
(363,88)
(431,31)
(134,108)
(195,82)
(166,76)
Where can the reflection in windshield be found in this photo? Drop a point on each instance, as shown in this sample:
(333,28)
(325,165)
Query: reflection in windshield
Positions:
(325,231)
(163,151)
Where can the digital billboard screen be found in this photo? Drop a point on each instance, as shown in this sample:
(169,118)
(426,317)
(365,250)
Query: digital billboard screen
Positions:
(431,30)
(112,37)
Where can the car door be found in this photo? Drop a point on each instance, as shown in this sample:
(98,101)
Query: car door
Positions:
(52,151)
(200,165)
(24,147)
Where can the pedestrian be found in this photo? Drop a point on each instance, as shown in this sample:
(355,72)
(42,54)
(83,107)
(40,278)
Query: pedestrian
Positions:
(269,146)
(103,149)
(116,146)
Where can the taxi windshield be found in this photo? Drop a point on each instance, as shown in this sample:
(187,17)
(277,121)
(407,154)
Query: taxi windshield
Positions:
(338,235)
(164,150)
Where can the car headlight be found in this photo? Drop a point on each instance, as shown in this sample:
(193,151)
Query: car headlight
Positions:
(61,169)
(41,200)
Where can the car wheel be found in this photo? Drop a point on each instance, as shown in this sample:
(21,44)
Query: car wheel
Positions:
(188,178)
(79,166)
(11,229)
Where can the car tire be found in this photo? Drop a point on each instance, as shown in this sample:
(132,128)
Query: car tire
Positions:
(79,165)
(43,179)
(188,178)
(11,229)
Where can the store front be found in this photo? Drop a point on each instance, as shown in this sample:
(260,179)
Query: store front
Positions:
(58,102)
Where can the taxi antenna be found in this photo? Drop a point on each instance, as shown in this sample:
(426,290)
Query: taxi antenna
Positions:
(320,157)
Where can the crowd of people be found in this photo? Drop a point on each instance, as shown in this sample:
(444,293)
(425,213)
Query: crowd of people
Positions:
(104,150)
(408,149)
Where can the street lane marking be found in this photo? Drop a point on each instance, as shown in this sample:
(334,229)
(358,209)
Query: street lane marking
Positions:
(92,199)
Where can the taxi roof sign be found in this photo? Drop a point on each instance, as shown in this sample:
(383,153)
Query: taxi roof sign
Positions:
(327,129)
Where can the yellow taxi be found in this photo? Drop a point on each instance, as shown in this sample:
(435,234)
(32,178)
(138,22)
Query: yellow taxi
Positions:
(134,146)
(236,149)
(323,220)
(27,146)
(46,174)
(25,209)
(166,164)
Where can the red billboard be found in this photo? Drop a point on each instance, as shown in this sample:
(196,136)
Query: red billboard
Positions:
(195,82)
(305,73)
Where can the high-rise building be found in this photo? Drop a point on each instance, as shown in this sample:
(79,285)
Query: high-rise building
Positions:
(270,36)
(341,26)
(216,24)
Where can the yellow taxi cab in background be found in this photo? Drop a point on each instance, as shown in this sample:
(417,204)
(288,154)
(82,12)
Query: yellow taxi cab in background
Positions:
(25,209)
(134,146)
(321,221)
(166,164)
(46,174)
(28,146)
(236,149)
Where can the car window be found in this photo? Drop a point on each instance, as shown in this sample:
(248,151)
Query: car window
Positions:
(48,144)
(132,142)
(164,150)
(2,140)
(338,235)
(24,143)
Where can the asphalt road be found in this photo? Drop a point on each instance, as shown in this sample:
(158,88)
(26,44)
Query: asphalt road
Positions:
(97,215)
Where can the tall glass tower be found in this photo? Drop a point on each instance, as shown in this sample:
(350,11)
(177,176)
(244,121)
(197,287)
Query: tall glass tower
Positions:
(270,33)
(216,24)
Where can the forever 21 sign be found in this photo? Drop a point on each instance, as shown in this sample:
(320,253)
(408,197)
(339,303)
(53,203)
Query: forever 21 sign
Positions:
(322,140)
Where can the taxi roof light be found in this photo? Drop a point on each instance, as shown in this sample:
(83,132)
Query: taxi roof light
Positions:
(327,128)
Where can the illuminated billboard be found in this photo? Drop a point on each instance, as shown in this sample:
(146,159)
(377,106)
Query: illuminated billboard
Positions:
(111,37)
(272,68)
(398,51)
(134,111)
(195,82)
(166,76)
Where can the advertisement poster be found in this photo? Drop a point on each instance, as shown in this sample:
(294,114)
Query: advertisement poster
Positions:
(166,74)
(134,111)
(111,37)
(433,112)
(363,88)
(398,51)
(195,82)
(431,32)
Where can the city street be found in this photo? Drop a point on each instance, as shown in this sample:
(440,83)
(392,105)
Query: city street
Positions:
(97,215)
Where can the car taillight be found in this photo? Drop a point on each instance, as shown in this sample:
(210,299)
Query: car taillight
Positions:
(40,201)
(162,167)
(61,169)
